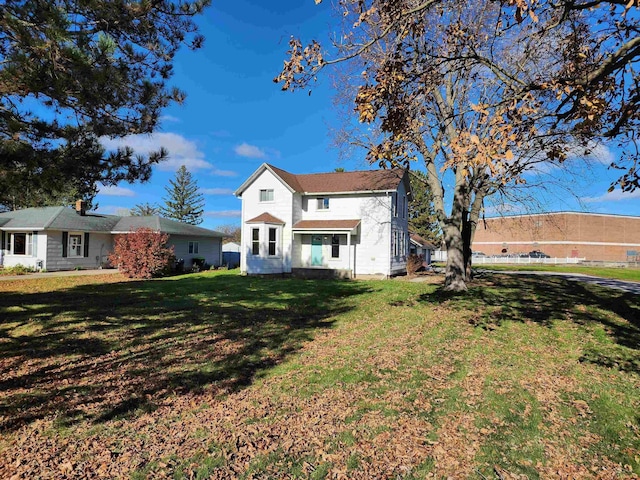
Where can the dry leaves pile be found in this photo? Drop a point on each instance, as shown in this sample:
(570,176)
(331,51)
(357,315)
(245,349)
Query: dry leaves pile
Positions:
(401,408)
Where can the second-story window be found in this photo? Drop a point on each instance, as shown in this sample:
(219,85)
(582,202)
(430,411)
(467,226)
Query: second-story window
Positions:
(266,195)
(323,203)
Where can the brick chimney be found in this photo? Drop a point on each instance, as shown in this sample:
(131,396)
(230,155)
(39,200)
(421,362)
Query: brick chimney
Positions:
(81,207)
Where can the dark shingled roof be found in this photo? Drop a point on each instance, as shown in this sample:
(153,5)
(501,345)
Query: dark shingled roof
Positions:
(266,218)
(421,241)
(326,224)
(336,182)
(62,218)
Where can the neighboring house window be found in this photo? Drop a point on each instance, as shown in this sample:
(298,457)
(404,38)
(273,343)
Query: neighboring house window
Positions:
(335,246)
(404,207)
(193,247)
(255,241)
(323,203)
(395,205)
(75,245)
(266,195)
(22,244)
(272,241)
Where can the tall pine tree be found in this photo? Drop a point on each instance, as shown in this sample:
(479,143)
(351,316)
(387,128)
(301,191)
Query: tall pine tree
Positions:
(422,216)
(184,202)
(73,72)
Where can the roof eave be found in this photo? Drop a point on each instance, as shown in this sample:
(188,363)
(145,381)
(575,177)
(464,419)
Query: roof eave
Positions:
(259,171)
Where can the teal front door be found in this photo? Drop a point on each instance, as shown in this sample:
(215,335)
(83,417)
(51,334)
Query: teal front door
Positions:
(316,250)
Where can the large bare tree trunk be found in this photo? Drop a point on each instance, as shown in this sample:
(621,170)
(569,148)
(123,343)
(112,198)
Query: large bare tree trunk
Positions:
(455,276)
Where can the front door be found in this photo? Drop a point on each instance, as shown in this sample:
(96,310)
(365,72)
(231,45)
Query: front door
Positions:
(316,250)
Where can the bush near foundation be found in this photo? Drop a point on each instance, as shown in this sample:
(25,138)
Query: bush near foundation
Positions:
(414,263)
(142,254)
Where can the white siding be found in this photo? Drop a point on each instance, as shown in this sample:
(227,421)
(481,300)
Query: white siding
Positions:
(208,248)
(100,245)
(281,208)
(38,251)
(371,248)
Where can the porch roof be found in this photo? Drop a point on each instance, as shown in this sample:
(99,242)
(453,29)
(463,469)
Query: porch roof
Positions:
(326,226)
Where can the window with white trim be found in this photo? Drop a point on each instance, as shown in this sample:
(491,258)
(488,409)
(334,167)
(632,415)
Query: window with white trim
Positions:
(323,203)
(273,241)
(266,195)
(194,247)
(75,245)
(255,241)
(335,246)
(395,204)
(20,244)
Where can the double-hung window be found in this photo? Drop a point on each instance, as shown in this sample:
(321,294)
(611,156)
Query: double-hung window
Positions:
(21,244)
(193,247)
(273,236)
(75,245)
(323,203)
(255,241)
(335,246)
(266,195)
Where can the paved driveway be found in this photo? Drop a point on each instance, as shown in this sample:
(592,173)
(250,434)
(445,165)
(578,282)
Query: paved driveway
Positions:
(624,285)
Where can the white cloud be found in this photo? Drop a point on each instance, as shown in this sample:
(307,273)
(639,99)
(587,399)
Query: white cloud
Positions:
(223,213)
(223,173)
(249,151)
(170,118)
(113,210)
(217,191)
(181,151)
(114,191)
(614,196)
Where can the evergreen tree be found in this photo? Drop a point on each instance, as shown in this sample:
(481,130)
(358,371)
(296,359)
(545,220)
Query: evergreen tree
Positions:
(145,209)
(184,202)
(422,216)
(73,71)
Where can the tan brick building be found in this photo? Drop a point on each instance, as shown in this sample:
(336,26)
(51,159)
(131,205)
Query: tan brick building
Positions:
(593,236)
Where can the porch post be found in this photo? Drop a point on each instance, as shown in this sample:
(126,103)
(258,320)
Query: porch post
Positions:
(349,253)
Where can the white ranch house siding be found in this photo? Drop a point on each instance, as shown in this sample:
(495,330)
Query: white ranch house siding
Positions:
(51,228)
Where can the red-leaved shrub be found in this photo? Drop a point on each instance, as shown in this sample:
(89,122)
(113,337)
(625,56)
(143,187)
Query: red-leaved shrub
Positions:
(142,253)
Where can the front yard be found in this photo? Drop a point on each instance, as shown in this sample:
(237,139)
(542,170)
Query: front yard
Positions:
(220,376)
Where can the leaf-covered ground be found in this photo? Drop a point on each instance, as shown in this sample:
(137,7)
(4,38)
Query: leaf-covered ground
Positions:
(220,376)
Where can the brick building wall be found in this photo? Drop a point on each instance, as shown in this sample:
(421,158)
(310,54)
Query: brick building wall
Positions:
(564,234)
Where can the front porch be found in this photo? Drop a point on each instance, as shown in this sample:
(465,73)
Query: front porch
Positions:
(324,249)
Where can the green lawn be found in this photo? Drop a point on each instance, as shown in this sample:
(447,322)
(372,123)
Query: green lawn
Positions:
(631,274)
(217,375)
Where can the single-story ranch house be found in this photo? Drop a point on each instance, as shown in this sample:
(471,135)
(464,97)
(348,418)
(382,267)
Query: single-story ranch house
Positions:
(342,224)
(61,238)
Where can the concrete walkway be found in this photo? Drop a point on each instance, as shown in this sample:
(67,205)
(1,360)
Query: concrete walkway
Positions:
(624,285)
(66,273)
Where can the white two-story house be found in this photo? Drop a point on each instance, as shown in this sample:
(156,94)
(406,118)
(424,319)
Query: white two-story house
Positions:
(344,224)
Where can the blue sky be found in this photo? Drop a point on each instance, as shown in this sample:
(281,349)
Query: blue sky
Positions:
(235,117)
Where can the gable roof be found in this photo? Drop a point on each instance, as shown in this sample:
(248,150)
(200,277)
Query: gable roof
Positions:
(334,182)
(266,218)
(418,240)
(62,218)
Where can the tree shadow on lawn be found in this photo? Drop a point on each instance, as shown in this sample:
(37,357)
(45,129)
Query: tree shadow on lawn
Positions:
(98,352)
(500,298)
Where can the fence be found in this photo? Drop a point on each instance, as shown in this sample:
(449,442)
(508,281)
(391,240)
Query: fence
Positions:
(441,256)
